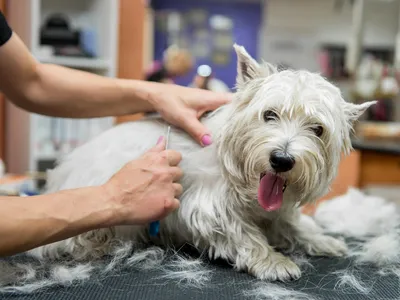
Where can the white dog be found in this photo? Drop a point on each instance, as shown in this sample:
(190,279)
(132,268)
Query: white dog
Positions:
(276,147)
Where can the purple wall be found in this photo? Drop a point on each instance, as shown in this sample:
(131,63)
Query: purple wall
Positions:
(247,23)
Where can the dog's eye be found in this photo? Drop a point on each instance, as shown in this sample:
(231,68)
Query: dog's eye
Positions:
(269,115)
(318,130)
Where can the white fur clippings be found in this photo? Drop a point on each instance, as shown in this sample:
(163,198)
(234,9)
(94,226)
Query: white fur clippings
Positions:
(373,225)
(297,114)
(271,291)
(189,272)
(357,215)
(349,281)
(383,250)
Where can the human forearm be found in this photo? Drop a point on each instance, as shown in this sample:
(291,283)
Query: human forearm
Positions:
(29,222)
(65,92)
(135,195)
(59,91)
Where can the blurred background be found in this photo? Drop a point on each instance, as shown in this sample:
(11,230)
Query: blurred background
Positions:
(354,43)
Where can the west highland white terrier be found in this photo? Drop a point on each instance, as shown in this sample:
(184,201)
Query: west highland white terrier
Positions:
(276,147)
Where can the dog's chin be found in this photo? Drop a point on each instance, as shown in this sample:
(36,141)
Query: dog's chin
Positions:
(270,191)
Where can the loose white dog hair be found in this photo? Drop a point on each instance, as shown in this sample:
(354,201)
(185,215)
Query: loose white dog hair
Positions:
(276,147)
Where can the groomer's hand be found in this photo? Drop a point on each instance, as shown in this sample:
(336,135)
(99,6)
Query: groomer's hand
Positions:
(146,189)
(183,106)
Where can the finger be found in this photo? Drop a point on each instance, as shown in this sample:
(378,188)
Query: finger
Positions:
(160,146)
(174,157)
(197,130)
(178,189)
(170,205)
(176,173)
(214,100)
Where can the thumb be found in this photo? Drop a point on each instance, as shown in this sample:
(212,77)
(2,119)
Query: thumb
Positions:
(197,130)
(160,146)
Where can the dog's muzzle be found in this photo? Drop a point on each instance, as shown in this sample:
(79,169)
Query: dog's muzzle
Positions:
(281,161)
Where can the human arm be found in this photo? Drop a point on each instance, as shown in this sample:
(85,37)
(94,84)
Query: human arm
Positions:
(29,222)
(148,195)
(63,92)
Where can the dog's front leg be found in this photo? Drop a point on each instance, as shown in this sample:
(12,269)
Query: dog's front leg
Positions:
(315,242)
(249,251)
(301,230)
(222,232)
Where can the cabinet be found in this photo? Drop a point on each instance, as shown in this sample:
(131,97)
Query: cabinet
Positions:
(379,169)
(30,137)
(136,43)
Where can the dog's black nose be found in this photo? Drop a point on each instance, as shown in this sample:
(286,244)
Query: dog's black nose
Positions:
(281,161)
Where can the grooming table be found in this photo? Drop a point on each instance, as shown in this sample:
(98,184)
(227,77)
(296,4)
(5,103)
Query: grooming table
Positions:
(225,284)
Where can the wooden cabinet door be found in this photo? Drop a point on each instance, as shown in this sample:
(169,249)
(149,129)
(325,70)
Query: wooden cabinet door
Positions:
(380,169)
(131,44)
(2,103)
(2,126)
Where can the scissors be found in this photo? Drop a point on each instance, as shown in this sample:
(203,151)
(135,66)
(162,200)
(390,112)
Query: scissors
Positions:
(155,226)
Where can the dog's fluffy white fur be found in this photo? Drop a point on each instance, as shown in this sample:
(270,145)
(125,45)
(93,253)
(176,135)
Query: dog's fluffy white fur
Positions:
(357,215)
(219,212)
(372,225)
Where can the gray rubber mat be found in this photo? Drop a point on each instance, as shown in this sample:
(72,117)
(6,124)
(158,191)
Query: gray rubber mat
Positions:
(226,283)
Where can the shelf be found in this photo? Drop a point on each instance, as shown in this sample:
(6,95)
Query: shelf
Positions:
(99,18)
(77,62)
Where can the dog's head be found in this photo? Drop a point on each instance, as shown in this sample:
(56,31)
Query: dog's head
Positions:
(285,135)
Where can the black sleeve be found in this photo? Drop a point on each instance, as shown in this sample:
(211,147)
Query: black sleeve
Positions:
(5,30)
(157,76)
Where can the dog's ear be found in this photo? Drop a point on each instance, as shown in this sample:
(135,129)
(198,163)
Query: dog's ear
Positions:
(248,68)
(354,111)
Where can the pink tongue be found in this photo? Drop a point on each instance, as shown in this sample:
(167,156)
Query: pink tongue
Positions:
(270,194)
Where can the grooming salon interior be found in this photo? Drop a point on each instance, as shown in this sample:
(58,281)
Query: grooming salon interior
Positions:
(355,44)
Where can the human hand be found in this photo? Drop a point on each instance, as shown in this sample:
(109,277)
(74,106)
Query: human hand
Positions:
(183,106)
(145,189)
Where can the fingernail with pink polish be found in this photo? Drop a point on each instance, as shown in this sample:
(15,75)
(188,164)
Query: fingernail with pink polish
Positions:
(206,140)
(160,139)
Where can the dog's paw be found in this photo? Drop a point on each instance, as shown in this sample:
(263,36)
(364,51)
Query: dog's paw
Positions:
(278,268)
(324,245)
